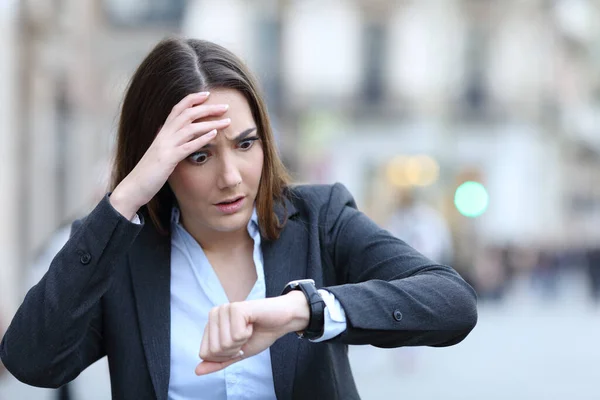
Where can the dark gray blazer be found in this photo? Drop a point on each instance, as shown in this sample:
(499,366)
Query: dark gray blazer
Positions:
(107,292)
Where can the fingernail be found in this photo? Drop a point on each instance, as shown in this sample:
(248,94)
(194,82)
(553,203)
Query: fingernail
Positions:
(204,93)
(226,120)
(224,107)
(212,133)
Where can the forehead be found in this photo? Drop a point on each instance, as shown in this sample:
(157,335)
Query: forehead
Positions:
(238,106)
(239,110)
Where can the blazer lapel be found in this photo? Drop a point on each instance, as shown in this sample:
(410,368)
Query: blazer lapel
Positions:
(282,263)
(150,263)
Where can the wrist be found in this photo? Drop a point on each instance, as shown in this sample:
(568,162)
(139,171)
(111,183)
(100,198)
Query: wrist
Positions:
(121,201)
(316,307)
(300,311)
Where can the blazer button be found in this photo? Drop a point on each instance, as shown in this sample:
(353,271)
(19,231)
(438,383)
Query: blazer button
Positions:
(397,315)
(85,258)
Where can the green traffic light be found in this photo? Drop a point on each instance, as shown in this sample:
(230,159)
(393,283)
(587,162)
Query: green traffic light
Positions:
(471,199)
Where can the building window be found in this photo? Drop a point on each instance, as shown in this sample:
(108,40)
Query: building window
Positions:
(374,59)
(63,117)
(475,96)
(137,13)
(269,62)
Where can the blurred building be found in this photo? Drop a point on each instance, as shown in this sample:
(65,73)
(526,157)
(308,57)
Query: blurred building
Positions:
(64,67)
(385,96)
(506,92)
(9,159)
(503,90)
(71,61)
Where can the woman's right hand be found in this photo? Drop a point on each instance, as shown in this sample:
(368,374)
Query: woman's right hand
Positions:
(179,137)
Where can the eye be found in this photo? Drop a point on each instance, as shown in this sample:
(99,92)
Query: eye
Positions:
(199,157)
(246,144)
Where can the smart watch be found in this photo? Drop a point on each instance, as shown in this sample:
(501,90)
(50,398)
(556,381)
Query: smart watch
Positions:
(316,323)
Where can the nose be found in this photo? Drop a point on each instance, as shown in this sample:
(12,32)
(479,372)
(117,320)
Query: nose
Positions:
(229,173)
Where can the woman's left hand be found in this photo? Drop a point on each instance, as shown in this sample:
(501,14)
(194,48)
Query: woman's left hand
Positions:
(239,330)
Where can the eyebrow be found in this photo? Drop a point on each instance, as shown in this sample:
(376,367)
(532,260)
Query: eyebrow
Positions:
(239,137)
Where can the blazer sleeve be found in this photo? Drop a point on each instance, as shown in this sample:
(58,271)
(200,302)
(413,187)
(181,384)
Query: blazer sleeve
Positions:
(392,295)
(57,331)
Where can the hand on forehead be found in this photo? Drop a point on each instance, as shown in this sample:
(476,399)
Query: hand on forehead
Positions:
(239,111)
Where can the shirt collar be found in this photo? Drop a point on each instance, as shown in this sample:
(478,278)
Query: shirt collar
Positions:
(252,226)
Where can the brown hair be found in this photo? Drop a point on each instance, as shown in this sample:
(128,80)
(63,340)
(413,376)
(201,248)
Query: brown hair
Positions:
(175,68)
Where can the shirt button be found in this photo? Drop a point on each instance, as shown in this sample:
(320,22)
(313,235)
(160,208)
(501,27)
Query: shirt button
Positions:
(398,315)
(85,258)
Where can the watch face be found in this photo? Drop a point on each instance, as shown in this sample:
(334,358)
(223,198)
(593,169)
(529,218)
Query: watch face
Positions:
(299,281)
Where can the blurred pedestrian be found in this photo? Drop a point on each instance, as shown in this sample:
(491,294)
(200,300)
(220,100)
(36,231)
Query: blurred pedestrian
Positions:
(593,272)
(421,227)
(2,367)
(545,274)
(203,247)
(92,384)
(425,229)
(490,273)
(37,271)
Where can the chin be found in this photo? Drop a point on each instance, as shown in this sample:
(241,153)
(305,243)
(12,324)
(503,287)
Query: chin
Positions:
(232,223)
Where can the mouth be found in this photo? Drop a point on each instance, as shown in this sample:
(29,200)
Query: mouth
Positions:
(231,205)
(230,201)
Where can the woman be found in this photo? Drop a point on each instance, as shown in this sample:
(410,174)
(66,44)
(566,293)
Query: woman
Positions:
(178,274)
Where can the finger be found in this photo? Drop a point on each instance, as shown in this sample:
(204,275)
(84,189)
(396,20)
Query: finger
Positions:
(214,344)
(204,344)
(194,145)
(241,330)
(196,129)
(196,113)
(225,331)
(208,367)
(185,103)
(205,353)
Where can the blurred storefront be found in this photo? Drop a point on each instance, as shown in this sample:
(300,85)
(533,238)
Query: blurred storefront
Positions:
(75,58)
(395,99)
(9,159)
(508,90)
(502,90)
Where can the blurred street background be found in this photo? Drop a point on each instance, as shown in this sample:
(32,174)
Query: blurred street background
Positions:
(468,128)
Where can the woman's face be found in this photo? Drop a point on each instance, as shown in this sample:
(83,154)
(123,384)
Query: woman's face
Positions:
(228,169)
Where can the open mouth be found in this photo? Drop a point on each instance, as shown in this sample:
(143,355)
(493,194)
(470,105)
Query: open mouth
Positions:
(229,202)
(231,206)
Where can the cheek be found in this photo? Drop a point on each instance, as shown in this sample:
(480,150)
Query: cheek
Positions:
(186,181)
(256,167)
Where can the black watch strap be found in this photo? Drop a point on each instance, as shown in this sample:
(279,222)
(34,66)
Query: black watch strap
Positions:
(316,323)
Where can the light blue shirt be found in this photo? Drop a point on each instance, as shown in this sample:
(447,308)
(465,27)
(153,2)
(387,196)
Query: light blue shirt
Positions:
(195,289)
